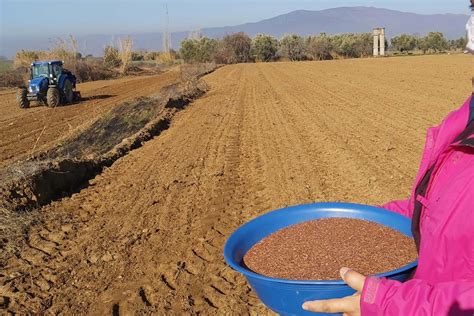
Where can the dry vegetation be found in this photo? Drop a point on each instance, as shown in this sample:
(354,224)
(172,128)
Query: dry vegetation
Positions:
(51,174)
(125,53)
(85,69)
(117,61)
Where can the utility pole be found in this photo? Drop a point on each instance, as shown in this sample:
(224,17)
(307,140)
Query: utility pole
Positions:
(166,36)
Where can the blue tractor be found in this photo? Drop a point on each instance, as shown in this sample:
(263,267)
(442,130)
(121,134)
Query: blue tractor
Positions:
(49,84)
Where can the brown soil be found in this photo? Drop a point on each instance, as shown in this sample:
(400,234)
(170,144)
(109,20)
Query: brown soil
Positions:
(25,132)
(146,236)
(316,250)
(65,168)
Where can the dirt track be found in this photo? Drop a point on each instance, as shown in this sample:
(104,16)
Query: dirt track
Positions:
(27,131)
(147,235)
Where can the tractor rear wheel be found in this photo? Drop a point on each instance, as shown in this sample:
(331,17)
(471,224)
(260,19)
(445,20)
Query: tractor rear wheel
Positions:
(53,97)
(68,93)
(22,99)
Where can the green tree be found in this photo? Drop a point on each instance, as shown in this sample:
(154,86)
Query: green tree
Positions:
(264,48)
(347,45)
(207,48)
(460,43)
(422,44)
(198,50)
(363,44)
(292,47)
(435,41)
(319,47)
(404,43)
(188,50)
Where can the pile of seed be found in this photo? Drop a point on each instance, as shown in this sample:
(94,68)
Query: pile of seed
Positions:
(316,250)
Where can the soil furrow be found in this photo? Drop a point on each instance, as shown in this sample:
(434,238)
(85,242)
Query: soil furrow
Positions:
(146,236)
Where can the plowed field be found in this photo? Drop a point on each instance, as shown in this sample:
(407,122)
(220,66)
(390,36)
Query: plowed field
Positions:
(146,236)
(28,131)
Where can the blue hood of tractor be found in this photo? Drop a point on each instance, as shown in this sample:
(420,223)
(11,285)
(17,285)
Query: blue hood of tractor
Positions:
(38,84)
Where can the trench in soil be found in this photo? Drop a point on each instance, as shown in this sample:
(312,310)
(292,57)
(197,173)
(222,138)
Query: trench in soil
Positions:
(67,168)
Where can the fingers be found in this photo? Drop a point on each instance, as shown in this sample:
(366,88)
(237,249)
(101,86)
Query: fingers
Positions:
(349,304)
(354,279)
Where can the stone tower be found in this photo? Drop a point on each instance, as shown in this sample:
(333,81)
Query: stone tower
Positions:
(379,41)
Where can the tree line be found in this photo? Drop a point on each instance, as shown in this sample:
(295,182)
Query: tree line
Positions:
(433,42)
(240,48)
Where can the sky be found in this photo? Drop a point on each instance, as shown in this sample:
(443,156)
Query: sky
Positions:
(84,17)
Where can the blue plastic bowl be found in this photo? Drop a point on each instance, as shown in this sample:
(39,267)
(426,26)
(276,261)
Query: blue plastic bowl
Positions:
(286,296)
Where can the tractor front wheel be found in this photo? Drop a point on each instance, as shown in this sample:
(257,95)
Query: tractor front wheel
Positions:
(53,97)
(22,99)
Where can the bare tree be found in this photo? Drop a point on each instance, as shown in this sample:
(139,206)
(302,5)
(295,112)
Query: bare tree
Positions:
(235,48)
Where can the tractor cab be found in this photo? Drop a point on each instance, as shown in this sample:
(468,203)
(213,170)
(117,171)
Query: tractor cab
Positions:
(50,84)
(50,69)
(39,70)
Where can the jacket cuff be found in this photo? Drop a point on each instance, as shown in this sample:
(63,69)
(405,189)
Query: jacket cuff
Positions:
(368,301)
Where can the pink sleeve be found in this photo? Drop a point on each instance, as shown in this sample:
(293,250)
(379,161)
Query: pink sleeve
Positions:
(401,207)
(416,297)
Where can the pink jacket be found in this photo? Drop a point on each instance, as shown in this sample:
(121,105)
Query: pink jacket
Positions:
(444,280)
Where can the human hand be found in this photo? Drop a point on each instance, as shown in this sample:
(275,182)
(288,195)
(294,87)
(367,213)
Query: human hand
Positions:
(350,305)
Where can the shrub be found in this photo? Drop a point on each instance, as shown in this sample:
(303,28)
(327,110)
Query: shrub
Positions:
(434,41)
(404,43)
(456,44)
(188,50)
(14,78)
(364,44)
(264,48)
(150,56)
(24,58)
(138,56)
(207,49)
(125,53)
(235,48)
(292,47)
(353,45)
(199,50)
(166,58)
(319,47)
(111,57)
(91,70)
(65,51)
(347,47)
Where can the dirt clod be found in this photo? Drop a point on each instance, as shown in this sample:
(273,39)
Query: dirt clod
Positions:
(4,301)
(107,257)
(93,259)
(66,228)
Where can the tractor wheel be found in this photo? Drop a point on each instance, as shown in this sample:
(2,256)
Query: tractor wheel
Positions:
(68,93)
(53,97)
(21,98)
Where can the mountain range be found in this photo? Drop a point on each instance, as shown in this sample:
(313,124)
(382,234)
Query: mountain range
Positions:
(302,22)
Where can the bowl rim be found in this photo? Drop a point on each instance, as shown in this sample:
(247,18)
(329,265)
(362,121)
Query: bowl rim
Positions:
(248,273)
